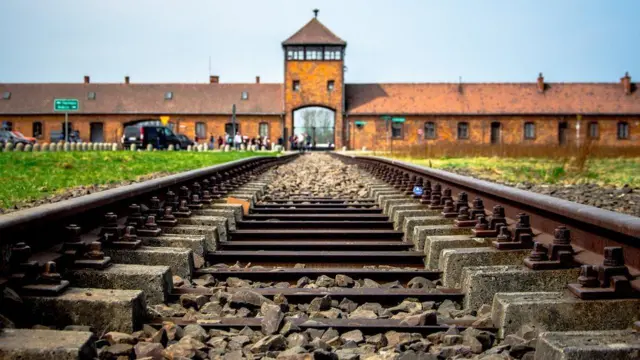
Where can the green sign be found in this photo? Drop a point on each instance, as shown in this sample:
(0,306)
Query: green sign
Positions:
(66,105)
(385,117)
(360,122)
(397,120)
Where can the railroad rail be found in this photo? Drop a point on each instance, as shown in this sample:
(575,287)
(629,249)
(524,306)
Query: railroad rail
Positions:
(423,252)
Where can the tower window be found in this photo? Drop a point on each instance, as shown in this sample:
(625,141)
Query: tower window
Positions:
(296,85)
(331,85)
(295,53)
(594,131)
(463,130)
(245,95)
(313,53)
(529,131)
(623,130)
(332,53)
(430,130)
(168,95)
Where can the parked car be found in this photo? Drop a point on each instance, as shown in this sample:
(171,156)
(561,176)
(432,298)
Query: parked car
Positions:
(185,141)
(160,137)
(9,137)
(58,135)
(19,134)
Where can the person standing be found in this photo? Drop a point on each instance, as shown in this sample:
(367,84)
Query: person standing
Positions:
(237,140)
(212,141)
(221,141)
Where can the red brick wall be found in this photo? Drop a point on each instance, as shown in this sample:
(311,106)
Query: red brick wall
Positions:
(113,124)
(313,77)
(374,135)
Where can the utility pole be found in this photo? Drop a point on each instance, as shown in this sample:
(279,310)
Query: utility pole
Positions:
(233,124)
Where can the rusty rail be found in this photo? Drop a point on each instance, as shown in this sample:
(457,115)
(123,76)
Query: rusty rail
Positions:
(592,228)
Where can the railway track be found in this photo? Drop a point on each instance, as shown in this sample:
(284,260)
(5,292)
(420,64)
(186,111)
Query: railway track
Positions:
(368,257)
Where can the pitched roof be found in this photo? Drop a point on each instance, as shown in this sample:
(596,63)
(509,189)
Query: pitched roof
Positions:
(314,33)
(491,98)
(145,98)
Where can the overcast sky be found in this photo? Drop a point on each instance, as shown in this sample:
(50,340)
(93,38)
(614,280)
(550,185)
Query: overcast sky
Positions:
(388,41)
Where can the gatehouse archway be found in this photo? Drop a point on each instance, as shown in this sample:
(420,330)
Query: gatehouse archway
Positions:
(319,123)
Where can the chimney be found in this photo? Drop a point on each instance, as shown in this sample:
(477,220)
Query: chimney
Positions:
(126,80)
(257,79)
(540,83)
(214,79)
(626,83)
(87,79)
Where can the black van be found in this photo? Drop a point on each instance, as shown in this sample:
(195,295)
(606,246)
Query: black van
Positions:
(160,137)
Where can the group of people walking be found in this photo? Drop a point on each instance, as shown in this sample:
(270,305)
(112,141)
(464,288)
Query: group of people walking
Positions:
(238,140)
(301,142)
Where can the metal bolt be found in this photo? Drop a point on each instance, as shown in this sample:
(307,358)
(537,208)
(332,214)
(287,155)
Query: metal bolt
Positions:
(588,276)
(134,210)
(613,256)
(497,212)
(151,223)
(73,233)
(463,213)
(50,275)
(482,223)
(448,207)
(504,234)
(523,221)
(562,235)
(110,220)
(539,253)
(95,251)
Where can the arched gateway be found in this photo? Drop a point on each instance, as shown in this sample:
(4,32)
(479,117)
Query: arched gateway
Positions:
(317,122)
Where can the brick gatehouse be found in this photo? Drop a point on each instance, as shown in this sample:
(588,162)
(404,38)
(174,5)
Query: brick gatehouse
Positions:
(374,115)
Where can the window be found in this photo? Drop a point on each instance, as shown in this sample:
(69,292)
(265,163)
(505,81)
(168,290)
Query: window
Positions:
(295,53)
(463,130)
(6,95)
(529,130)
(228,128)
(168,95)
(313,53)
(7,125)
(331,85)
(37,129)
(594,131)
(245,95)
(91,95)
(332,53)
(430,130)
(397,130)
(623,130)
(201,130)
(296,85)
(263,129)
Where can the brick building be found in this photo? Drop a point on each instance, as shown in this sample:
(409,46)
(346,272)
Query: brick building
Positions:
(375,116)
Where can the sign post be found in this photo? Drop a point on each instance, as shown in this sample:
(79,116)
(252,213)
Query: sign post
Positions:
(66,105)
(233,125)
(387,122)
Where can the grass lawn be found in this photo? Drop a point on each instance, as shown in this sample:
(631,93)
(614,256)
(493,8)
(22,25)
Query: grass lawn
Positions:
(35,175)
(607,171)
